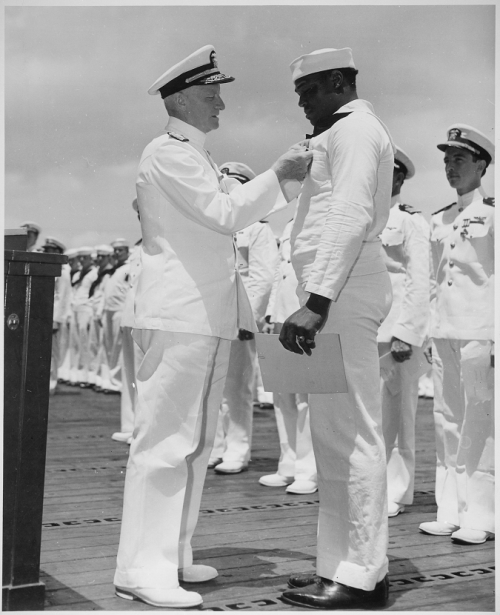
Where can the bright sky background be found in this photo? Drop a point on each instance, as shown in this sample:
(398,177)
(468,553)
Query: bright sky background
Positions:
(78,114)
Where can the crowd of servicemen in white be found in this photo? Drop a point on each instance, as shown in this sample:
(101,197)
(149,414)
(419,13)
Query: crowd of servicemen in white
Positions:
(440,275)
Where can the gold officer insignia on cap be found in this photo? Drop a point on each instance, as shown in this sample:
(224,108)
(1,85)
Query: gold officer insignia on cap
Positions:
(213,59)
(454,133)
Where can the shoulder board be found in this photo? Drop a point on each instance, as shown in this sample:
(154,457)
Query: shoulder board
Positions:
(264,221)
(444,209)
(489,200)
(176,135)
(409,209)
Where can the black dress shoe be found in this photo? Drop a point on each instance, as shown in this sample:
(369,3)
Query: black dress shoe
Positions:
(325,594)
(302,580)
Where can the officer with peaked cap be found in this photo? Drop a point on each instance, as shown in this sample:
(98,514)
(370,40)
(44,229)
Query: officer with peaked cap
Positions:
(402,335)
(343,288)
(33,233)
(256,261)
(462,328)
(190,302)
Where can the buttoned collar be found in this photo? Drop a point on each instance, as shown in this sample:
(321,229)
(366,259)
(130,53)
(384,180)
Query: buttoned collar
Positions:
(195,136)
(467,198)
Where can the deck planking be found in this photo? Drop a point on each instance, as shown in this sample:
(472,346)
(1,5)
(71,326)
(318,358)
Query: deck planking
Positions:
(255,536)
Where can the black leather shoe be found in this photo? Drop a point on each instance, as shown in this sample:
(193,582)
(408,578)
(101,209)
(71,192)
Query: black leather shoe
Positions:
(325,594)
(302,580)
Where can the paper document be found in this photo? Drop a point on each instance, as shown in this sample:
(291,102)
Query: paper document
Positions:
(286,372)
(396,374)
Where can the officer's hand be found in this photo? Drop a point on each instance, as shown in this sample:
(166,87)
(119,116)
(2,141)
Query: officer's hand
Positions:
(299,330)
(245,335)
(301,144)
(401,351)
(428,353)
(294,164)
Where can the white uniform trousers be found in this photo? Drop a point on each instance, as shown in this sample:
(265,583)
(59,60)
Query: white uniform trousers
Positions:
(54,359)
(63,370)
(179,391)
(233,441)
(96,350)
(80,345)
(465,435)
(399,411)
(349,445)
(294,431)
(131,359)
(112,342)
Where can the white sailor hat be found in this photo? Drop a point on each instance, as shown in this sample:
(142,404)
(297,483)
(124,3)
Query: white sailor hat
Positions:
(320,60)
(31,226)
(104,249)
(72,253)
(464,136)
(135,205)
(52,242)
(119,243)
(403,163)
(238,170)
(200,68)
(85,251)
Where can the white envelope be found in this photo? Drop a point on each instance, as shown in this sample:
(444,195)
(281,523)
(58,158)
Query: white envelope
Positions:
(286,372)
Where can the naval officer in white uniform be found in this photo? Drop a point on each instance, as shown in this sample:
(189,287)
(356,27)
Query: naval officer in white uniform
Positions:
(462,328)
(190,303)
(402,334)
(343,288)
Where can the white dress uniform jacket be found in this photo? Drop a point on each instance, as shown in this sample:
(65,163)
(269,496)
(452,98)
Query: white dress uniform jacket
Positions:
(462,242)
(257,258)
(343,207)
(188,208)
(283,300)
(406,245)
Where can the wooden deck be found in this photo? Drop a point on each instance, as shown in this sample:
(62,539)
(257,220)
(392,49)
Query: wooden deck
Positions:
(255,536)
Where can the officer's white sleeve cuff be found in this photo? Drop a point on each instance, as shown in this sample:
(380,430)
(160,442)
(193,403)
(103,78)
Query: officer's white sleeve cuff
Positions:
(409,337)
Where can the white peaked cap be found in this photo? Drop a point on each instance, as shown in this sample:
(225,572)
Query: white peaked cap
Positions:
(199,68)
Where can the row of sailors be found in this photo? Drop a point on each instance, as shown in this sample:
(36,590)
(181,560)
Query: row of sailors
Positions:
(93,319)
